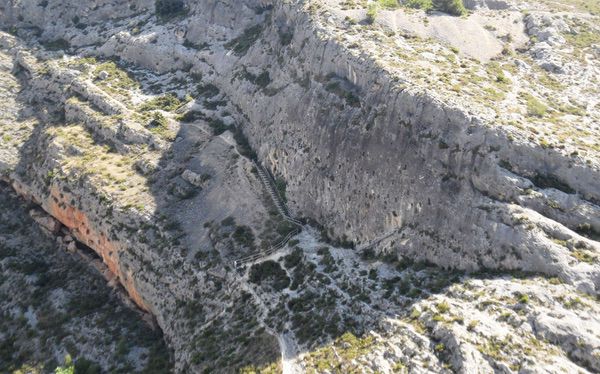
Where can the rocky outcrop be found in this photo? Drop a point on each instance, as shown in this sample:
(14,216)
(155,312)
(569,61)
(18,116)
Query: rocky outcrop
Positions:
(399,157)
(363,151)
(341,155)
(79,164)
(45,289)
(395,158)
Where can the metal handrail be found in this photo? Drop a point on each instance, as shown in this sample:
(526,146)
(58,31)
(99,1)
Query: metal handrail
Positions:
(255,256)
(282,208)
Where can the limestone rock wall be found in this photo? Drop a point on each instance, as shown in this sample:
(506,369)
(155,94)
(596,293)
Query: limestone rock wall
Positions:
(142,245)
(364,153)
(458,189)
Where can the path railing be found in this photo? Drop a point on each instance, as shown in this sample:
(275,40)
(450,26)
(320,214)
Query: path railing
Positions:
(377,240)
(262,254)
(269,184)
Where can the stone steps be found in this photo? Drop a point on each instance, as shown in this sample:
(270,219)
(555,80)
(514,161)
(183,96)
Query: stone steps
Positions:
(269,184)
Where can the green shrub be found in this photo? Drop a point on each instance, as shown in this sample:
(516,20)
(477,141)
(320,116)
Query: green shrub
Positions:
(583,256)
(122,347)
(389,4)
(208,90)
(373,274)
(286,37)
(343,89)
(327,259)
(472,325)
(263,80)
(293,259)
(159,125)
(243,145)
(372,13)
(243,235)
(169,8)
(85,366)
(269,271)
(168,102)
(419,4)
(117,77)
(68,368)
(57,45)
(158,120)
(453,7)
(535,108)
(218,126)
(523,298)
(443,307)
(190,116)
(281,186)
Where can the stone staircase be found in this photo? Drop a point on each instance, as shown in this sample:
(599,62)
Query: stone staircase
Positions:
(269,184)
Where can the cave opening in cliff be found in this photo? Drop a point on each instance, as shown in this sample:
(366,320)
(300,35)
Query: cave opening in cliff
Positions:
(87,251)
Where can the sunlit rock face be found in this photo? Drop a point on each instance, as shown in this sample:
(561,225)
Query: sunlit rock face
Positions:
(410,140)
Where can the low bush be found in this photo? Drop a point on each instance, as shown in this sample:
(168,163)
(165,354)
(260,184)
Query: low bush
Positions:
(218,127)
(389,4)
(85,366)
(243,235)
(271,272)
(453,7)
(168,103)
(535,108)
(208,90)
(169,8)
(419,4)
(294,258)
(372,13)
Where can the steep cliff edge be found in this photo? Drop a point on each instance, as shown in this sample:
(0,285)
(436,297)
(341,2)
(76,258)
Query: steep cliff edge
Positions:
(124,189)
(372,150)
(379,136)
(54,304)
(366,150)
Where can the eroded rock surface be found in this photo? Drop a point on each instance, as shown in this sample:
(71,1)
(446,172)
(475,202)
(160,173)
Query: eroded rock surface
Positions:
(54,304)
(427,151)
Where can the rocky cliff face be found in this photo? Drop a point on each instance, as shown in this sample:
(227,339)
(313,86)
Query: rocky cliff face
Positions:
(373,138)
(377,155)
(119,190)
(371,154)
(54,304)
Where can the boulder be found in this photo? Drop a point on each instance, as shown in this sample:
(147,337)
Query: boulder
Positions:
(45,221)
(193,178)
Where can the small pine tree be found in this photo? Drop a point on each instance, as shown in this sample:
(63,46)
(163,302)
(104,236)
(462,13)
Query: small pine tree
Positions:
(453,7)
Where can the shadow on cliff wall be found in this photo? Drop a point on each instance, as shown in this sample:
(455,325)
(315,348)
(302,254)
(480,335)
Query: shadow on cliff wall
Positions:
(317,316)
(97,299)
(328,307)
(178,203)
